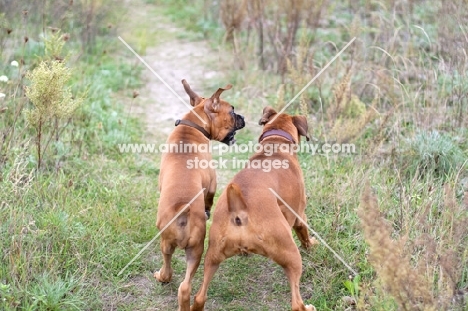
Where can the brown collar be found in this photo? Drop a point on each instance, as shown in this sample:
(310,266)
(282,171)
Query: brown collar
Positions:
(277,133)
(196,126)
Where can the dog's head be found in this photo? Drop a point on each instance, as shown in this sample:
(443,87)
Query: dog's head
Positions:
(223,121)
(296,126)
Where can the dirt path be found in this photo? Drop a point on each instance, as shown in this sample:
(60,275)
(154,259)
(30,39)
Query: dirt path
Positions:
(173,59)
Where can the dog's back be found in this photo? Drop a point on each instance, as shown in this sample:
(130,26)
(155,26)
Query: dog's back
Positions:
(253,214)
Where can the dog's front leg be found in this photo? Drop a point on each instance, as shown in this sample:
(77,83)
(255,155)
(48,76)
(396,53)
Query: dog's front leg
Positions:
(303,234)
(209,198)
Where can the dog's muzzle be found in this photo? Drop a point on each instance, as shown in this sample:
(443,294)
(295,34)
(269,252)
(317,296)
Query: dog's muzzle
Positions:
(239,124)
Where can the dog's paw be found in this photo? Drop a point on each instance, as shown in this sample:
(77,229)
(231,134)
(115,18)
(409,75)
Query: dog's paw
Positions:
(207,214)
(313,241)
(157,276)
(310,308)
(310,243)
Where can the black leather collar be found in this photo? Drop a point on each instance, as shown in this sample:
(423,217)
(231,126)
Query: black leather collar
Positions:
(196,126)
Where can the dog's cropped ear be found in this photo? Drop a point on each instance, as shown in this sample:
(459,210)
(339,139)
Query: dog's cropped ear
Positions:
(212,104)
(194,98)
(300,122)
(268,112)
(236,205)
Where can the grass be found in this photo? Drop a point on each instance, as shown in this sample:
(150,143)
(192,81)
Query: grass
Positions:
(398,94)
(68,227)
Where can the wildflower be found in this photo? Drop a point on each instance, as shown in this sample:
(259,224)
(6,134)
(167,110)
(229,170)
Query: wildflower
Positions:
(14,63)
(2,95)
(3,79)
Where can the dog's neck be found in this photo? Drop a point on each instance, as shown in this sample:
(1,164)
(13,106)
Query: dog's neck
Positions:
(275,132)
(193,119)
(195,126)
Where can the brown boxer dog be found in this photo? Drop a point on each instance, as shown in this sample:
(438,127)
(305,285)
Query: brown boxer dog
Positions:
(250,219)
(179,183)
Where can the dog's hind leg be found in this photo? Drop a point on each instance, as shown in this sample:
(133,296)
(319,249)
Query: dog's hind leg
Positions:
(164,275)
(286,254)
(193,256)
(212,262)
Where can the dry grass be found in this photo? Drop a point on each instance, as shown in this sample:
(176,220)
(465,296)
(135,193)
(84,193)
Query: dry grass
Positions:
(276,25)
(420,268)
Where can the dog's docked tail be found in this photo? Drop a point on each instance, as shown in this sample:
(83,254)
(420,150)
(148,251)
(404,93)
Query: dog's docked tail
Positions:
(236,205)
(181,227)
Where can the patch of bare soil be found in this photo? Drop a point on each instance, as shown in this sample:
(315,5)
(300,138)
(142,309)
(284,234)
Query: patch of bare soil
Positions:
(173,61)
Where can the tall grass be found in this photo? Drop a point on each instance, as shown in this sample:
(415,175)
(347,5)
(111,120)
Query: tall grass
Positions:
(62,230)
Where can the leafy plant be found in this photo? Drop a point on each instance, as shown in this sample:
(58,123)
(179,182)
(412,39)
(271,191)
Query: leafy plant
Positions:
(353,286)
(50,95)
